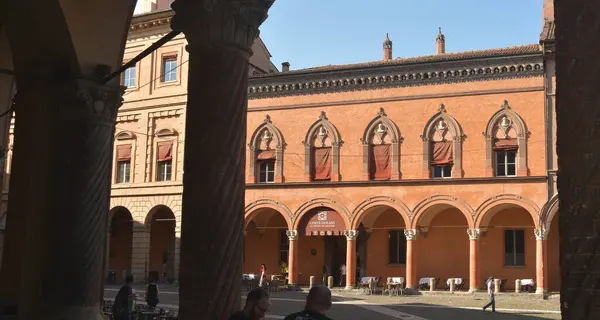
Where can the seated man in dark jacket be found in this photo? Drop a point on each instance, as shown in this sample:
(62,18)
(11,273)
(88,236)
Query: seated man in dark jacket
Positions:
(257,305)
(318,302)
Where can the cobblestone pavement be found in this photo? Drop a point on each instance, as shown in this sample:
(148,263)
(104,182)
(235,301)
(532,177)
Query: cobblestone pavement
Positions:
(426,307)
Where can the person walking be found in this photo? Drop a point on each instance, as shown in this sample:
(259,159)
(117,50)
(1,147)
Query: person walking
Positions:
(318,302)
(256,307)
(343,275)
(263,275)
(491,289)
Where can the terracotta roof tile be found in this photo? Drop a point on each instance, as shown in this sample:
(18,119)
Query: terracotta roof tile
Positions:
(516,50)
(548,32)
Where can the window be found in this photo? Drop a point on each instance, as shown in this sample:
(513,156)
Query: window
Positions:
(123,171)
(266,171)
(506,163)
(165,161)
(514,248)
(164,171)
(442,171)
(169,69)
(321,164)
(129,77)
(284,246)
(123,167)
(397,247)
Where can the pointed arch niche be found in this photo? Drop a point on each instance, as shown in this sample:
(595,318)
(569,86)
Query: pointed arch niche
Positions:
(381,149)
(442,146)
(506,131)
(322,151)
(266,146)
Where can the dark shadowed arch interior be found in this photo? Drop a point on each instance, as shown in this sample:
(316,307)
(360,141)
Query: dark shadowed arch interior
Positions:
(265,242)
(161,263)
(120,244)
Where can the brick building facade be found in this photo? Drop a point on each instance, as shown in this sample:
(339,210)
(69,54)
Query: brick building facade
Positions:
(438,166)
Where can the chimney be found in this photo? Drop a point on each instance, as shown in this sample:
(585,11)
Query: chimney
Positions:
(440,43)
(548,11)
(387,48)
(285,67)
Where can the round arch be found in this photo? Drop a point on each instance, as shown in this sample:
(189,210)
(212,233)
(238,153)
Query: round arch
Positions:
(158,209)
(380,201)
(442,200)
(321,202)
(490,206)
(117,210)
(119,243)
(255,208)
(549,210)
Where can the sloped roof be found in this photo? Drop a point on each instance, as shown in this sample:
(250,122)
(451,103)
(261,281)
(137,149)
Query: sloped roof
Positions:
(549,31)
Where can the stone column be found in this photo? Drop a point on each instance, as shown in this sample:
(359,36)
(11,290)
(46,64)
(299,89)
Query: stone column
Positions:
(411,273)
(220,35)
(474,272)
(67,196)
(541,270)
(292,257)
(140,252)
(351,236)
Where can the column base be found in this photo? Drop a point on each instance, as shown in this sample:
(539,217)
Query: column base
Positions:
(541,291)
(475,290)
(350,287)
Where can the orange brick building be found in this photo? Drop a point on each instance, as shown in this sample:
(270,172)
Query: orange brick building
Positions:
(439,166)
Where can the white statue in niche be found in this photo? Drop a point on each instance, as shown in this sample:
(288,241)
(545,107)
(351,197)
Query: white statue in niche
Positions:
(505,124)
(380,131)
(266,138)
(441,128)
(322,135)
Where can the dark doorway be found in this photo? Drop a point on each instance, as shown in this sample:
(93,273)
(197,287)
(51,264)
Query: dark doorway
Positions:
(335,256)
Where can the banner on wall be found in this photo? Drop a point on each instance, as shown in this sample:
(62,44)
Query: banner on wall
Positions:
(325,223)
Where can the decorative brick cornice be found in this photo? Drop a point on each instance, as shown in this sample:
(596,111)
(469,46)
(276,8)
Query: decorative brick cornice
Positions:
(389,75)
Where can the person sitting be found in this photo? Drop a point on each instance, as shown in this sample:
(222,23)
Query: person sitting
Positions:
(257,305)
(318,302)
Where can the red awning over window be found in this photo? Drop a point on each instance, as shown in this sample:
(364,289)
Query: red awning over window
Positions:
(509,144)
(165,150)
(442,154)
(381,162)
(124,152)
(322,163)
(265,155)
(325,222)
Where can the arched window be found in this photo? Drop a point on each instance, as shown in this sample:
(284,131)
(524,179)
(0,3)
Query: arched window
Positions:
(322,151)
(124,145)
(442,146)
(506,144)
(266,154)
(381,149)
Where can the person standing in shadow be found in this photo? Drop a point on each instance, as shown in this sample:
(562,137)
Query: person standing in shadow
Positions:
(491,289)
(318,302)
(152,294)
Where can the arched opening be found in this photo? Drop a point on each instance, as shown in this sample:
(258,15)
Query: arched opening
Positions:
(266,242)
(508,244)
(120,244)
(161,263)
(381,243)
(442,249)
(553,254)
(321,245)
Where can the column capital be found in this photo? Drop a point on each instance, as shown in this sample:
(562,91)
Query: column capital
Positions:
(292,234)
(474,234)
(351,235)
(541,234)
(220,22)
(411,234)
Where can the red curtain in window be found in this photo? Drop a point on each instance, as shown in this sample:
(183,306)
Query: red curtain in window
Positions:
(381,164)
(442,154)
(265,155)
(322,163)
(509,144)
(165,150)
(124,152)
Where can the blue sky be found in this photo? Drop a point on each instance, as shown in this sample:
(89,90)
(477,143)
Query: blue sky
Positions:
(310,33)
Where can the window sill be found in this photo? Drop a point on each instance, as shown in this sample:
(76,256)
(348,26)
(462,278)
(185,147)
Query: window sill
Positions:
(514,267)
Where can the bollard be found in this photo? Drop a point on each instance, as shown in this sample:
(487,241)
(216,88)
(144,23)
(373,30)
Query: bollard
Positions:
(518,286)
(311,281)
(330,282)
(452,285)
(497,283)
(431,285)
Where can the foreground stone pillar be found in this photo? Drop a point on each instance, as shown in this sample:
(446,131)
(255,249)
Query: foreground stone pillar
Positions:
(351,236)
(541,269)
(68,192)
(220,35)
(474,273)
(293,257)
(411,273)
(578,136)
